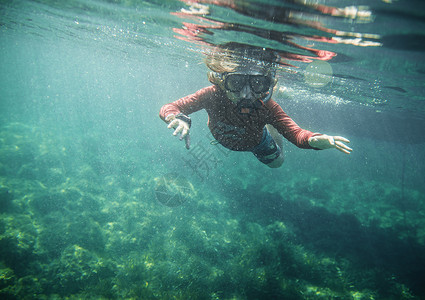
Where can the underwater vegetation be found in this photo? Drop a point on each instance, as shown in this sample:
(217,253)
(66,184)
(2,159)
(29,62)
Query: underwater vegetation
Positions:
(80,222)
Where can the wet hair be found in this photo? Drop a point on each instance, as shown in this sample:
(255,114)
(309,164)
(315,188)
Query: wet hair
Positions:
(228,57)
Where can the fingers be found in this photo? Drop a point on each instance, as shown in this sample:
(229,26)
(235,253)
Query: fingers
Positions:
(340,138)
(339,144)
(185,132)
(342,147)
(173,124)
(170,117)
(187,141)
(182,128)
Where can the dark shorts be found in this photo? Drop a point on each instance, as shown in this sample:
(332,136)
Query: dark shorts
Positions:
(267,151)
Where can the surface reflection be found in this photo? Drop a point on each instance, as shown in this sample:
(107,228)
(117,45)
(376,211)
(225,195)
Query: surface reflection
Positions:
(295,29)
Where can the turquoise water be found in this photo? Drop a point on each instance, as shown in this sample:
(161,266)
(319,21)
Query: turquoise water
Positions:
(98,200)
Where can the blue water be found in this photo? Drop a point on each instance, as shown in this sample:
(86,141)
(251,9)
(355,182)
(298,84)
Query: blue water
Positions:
(87,168)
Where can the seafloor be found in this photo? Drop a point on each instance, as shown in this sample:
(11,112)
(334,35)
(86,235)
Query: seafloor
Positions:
(81,222)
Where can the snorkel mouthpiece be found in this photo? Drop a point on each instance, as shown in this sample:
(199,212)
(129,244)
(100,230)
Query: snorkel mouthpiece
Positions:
(269,93)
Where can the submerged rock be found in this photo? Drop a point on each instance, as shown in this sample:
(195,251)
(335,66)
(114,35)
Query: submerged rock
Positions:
(76,269)
(45,203)
(17,241)
(6,200)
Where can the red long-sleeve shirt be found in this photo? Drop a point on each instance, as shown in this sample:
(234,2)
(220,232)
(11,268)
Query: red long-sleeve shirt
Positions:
(236,131)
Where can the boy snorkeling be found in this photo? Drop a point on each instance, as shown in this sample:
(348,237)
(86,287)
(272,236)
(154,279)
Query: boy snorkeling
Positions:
(241,114)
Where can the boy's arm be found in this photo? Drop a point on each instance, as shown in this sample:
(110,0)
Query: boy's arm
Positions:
(304,138)
(175,114)
(288,128)
(187,105)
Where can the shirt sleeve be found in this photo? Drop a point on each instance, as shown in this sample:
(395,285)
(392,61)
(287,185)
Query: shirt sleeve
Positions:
(287,127)
(188,104)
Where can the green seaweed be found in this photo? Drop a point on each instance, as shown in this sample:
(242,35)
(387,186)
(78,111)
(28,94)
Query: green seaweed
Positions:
(69,232)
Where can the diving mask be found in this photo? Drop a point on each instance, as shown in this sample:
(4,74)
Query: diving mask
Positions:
(236,82)
(261,83)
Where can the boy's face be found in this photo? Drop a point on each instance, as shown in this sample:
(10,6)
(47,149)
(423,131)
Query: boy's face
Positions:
(248,83)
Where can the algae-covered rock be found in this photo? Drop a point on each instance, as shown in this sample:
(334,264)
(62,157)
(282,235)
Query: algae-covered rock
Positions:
(45,203)
(76,269)
(6,200)
(61,230)
(17,243)
(7,277)
(28,287)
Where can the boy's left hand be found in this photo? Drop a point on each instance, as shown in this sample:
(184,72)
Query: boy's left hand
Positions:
(324,141)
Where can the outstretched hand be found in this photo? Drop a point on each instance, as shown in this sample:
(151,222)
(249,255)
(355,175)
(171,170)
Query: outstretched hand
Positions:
(180,126)
(324,141)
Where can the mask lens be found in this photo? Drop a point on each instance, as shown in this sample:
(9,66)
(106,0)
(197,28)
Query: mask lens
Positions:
(235,82)
(259,84)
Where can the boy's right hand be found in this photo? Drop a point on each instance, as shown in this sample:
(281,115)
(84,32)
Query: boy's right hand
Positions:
(180,126)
